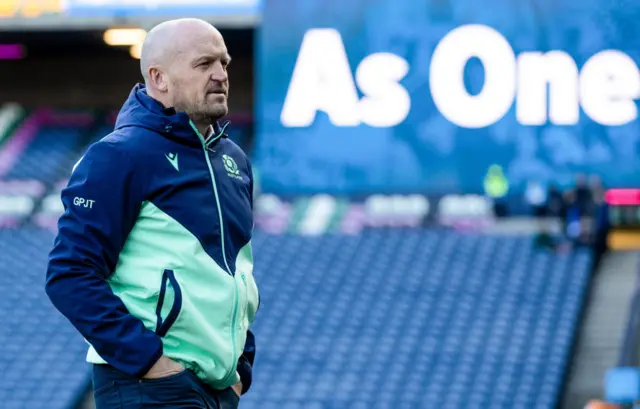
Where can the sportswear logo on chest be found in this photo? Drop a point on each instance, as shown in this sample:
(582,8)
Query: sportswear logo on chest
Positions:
(173,159)
(231,166)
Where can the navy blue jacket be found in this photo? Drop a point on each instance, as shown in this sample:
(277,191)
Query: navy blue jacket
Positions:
(154,162)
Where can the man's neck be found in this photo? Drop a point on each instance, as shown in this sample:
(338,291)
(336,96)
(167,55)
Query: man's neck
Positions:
(204,129)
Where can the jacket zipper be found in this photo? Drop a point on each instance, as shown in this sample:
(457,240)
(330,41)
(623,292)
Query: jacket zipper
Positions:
(224,255)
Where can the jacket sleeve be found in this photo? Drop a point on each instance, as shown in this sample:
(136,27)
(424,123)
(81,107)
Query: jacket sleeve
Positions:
(101,202)
(245,363)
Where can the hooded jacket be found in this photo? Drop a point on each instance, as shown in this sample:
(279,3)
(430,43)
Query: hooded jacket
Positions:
(153,253)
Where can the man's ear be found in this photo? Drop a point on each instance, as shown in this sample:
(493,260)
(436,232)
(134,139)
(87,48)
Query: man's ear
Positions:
(158,77)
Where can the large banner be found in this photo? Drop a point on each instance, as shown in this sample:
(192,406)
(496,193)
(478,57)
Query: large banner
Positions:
(441,96)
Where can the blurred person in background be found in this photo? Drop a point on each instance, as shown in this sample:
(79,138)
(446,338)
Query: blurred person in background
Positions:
(153,262)
(584,204)
(550,207)
(555,205)
(582,196)
(600,214)
(597,192)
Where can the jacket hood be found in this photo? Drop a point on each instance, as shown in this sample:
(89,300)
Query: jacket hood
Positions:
(141,110)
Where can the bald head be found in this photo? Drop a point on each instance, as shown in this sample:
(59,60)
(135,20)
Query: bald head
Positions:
(184,66)
(166,41)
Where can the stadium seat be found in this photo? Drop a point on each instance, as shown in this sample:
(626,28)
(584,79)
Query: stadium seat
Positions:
(389,318)
(413,318)
(50,155)
(42,363)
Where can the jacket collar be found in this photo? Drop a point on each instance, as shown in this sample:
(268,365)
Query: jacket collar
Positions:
(141,110)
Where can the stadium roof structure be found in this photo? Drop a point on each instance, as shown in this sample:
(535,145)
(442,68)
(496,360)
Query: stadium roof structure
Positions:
(100,14)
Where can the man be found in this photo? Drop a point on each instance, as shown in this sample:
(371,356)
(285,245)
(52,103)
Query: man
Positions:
(153,262)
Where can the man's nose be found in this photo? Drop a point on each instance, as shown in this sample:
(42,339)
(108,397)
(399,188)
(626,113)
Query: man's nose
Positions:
(219,73)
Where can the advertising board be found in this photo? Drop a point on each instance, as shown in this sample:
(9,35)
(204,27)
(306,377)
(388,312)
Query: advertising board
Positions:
(434,97)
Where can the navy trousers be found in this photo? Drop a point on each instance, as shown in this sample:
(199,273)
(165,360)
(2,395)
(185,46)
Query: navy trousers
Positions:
(113,389)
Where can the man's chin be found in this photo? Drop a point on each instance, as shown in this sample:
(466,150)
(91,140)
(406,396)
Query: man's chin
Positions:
(217,112)
(209,115)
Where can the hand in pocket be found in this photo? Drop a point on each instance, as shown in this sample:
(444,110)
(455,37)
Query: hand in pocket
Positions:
(164,367)
(237,388)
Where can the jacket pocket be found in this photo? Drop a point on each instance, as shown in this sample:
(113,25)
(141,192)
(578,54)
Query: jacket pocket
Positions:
(253,298)
(163,325)
(107,396)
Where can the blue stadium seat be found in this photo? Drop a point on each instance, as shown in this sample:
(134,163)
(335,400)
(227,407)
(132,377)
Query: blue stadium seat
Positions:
(413,318)
(42,360)
(390,318)
(50,155)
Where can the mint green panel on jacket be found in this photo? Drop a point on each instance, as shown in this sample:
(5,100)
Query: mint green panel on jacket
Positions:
(201,336)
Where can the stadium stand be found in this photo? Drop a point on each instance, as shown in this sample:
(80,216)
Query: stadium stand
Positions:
(41,364)
(398,300)
(385,317)
(414,318)
(36,155)
(388,317)
(51,149)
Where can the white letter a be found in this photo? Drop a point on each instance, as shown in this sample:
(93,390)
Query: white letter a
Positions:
(321,81)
